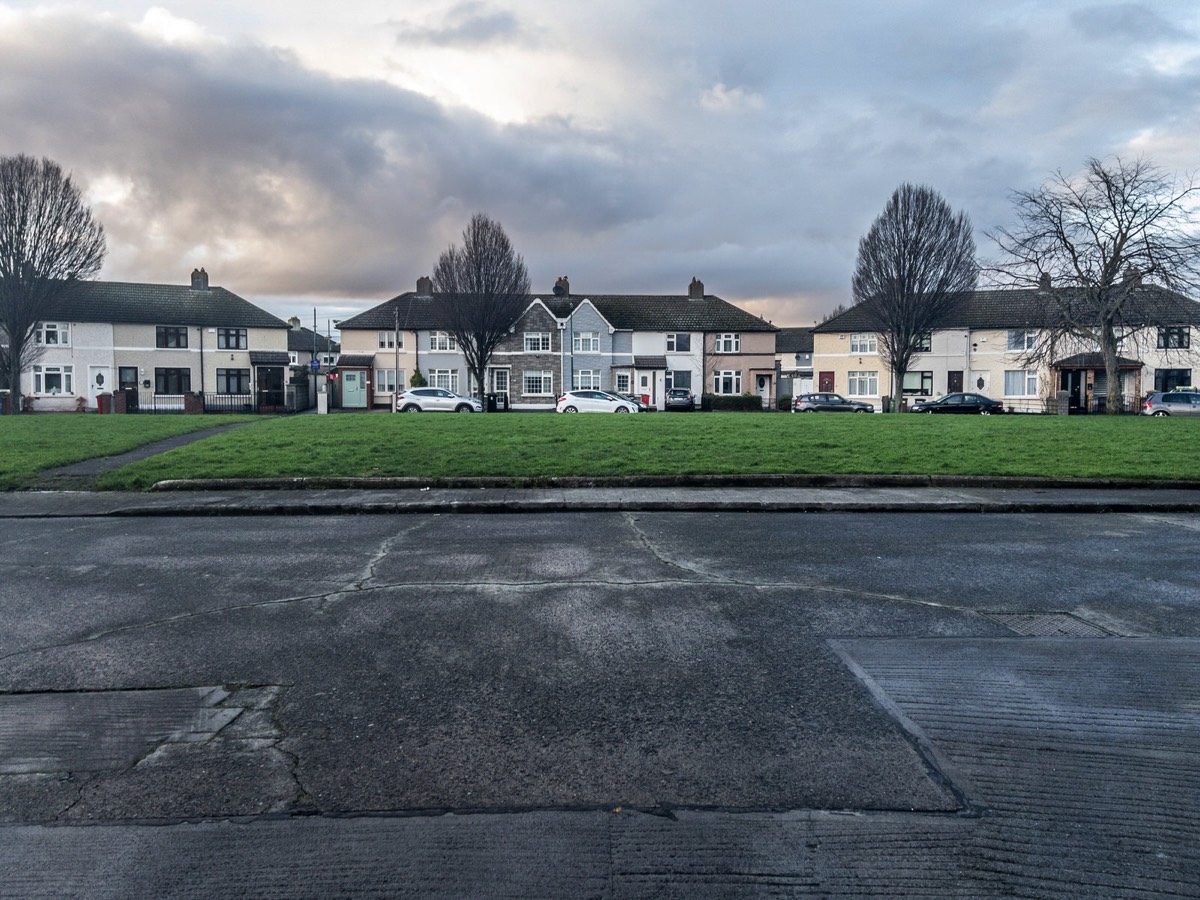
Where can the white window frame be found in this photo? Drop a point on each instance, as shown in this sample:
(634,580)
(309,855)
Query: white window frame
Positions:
(864,342)
(446,379)
(387,340)
(442,341)
(586,342)
(585,380)
(60,330)
(1021,340)
(293,357)
(731,378)
(1028,379)
(385,381)
(728,342)
(537,342)
(65,375)
(622,382)
(862,384)
(545,383)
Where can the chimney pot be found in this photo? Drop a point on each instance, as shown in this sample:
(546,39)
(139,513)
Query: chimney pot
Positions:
(562,287)
(199,280)
(696,289)
(425,286)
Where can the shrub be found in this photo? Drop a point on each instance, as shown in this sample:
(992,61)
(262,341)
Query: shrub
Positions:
(784,402)
(417,380)
(728,402)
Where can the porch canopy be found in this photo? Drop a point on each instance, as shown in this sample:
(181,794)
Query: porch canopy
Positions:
(1095,361)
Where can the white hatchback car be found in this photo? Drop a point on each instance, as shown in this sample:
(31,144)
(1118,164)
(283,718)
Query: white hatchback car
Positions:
(593,401)
(432,399)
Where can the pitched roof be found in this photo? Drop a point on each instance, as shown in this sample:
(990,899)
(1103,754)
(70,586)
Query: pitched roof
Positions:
(1027,309)
(161,304)
(794,340)
(301,340)
(629,312)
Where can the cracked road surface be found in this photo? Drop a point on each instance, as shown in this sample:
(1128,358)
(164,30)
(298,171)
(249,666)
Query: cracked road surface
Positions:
(599,704)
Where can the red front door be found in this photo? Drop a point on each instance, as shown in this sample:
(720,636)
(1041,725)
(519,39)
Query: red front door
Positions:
(825,382)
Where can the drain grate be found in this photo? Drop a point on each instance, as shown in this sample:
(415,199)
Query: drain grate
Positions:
(1055,624)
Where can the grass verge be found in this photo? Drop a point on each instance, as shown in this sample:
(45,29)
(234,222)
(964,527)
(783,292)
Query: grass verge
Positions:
(532,445)
(33,443)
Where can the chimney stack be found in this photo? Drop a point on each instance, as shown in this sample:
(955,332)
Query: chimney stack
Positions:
(1044,281)
(696,289)
(424,286)
(294,321)
(562,287)
(1132,276)
(199,280)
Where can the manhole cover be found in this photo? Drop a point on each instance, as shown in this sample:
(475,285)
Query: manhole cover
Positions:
(1048,625)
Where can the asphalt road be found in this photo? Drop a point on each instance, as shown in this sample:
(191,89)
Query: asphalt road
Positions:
(600,704)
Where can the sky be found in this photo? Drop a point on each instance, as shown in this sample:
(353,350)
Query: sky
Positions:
(316,158)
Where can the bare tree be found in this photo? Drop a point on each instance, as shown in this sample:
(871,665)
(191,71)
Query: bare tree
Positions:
(1088,242)
(834,313)
(917,259)
(48,239)
(486,288)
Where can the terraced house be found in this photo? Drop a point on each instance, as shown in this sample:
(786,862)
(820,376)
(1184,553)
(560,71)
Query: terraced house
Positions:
(159,343)
(640,344)
(987,343)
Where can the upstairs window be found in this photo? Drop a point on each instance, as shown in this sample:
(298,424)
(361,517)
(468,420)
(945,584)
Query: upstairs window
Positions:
(925,343)
(54,334)
(1175,338)
(863,342)
(387,340)
(1022,339)
(442,340)
(537,342)
(728,343)
(586,342)
(170,337)
(679,343)
(232,339)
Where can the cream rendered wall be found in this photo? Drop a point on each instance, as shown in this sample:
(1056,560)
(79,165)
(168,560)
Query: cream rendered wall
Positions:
(91,344)
(363,342)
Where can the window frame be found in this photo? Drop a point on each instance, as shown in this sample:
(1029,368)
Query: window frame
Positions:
(679,342)
(224,376)
(924,343)
(728,342)
(1021,340)
(926,387)
(1026,377)
(446,379)
(536,342)
(586,380)
(388,340)
(862,383)
(163,375)
(544,387)
(864,342)
(170,337)
(673,376)
(385,380)
(731,378)
(585,342)
(1182,335)
(60,330)
(64,374)
(232,337)
(442,342)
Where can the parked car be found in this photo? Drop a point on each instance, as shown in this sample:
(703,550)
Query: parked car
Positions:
(641,404)
(827,402)
(432,399)
(679,399)
(959,403)
(594,401)
(1171,403)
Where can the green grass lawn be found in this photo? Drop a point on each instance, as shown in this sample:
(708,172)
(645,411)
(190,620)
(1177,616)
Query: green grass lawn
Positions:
(32,443)
(532,445)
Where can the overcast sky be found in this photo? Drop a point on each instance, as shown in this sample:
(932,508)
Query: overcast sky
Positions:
(322,154)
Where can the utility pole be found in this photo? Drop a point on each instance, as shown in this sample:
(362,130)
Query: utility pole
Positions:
(396,342)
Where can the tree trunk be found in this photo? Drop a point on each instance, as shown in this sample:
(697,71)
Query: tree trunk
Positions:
(897,391)
(1114,402)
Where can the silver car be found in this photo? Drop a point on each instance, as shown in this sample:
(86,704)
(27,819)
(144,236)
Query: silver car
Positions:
(580,401)
(1171,403)
(432,399)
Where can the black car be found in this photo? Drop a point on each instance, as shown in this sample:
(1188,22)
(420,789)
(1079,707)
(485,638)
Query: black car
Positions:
(679,399)
(829,402)
(965,404)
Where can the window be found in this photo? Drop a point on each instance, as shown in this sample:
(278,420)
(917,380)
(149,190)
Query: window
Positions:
(385,380)
(1169,379)
(622,382)
(229,381)
(537,384)
(729,382)
(446,379)
(387,340)
(1020,339)
(293,358)
(585,342)
(53,379)
(918,383)
(728,343)
(127,378)
(925,343)
(1175,338)
(863,384)
(1020,383)
(170,337)
(863,343)
(442,340)
(232,339)
(679,343)
(172,381)
(53,334)
(679,378)
(537,341)
(586,379)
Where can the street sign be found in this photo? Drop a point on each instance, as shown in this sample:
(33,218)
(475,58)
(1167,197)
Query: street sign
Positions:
(315,365)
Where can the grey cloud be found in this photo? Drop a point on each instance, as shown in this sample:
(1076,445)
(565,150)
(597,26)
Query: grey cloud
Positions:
(469,24)
(1125,22)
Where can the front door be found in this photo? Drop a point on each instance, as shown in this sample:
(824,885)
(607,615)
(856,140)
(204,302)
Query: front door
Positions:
(499,378)
(270,387)
(954,382)
(825,382)
(764,390)
(99,382)
(354,389)
(1072,382)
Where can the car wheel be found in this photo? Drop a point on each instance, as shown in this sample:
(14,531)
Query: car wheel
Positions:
(808,410)
(411,407)
(463,407)
(985,411)
(569,409)
(860,410)
(621,409)
(1160,413)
